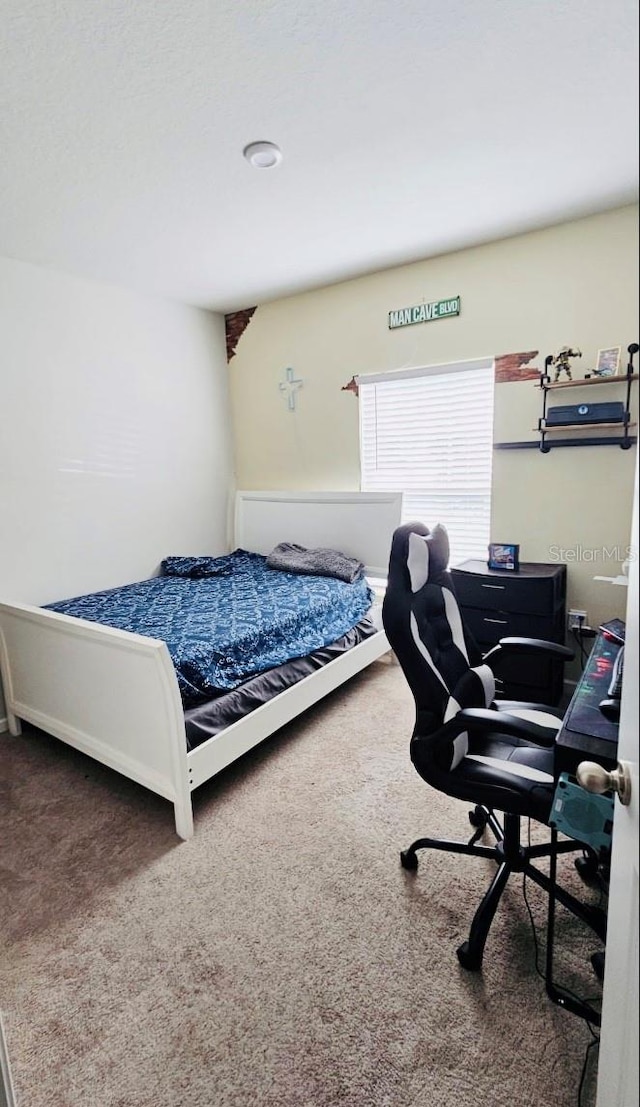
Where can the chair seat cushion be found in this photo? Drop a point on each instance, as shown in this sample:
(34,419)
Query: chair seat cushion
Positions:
(537,713)
(501,772)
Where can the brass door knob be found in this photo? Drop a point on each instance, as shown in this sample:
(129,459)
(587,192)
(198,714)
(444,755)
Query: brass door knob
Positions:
(593,778)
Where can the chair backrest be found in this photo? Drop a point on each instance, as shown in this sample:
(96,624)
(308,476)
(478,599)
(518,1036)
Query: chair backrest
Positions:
(439,658)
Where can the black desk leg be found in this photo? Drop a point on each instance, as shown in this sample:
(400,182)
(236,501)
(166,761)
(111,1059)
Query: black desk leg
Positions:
(557,994)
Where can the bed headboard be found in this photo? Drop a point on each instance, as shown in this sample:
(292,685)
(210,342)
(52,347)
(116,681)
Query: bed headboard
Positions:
(359,524)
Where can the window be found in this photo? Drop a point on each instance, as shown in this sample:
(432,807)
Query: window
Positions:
(429,434)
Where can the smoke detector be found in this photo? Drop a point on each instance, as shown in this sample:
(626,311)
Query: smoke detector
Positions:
(263,155)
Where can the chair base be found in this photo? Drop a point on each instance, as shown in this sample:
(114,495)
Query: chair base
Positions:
(511,857)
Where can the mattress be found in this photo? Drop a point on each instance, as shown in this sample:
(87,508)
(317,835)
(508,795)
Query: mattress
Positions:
(224,628)
(208,719)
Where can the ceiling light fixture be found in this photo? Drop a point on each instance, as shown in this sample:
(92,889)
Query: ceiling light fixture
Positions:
(263,155)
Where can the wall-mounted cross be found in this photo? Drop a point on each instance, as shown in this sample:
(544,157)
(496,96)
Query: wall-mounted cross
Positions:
(290,386)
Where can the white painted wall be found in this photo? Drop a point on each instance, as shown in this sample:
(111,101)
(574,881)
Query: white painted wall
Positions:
(115,442)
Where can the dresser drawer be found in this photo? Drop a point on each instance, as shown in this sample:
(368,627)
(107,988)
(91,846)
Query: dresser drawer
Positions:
(531,672)
(526,596)
(547,694)
(488,627)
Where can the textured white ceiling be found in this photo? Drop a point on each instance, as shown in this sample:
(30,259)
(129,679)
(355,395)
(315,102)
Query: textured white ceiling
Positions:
(408,128)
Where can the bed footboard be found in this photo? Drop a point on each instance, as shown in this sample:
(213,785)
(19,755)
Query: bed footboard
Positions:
(219,751)
(112,694)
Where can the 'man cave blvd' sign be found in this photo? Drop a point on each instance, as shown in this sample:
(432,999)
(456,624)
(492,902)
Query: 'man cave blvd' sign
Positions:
(424,313)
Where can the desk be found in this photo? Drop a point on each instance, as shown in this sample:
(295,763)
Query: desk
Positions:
(586,735)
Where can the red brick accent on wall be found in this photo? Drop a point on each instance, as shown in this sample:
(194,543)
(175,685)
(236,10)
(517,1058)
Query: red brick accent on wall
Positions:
(235,325)
(508,367)
(514,367)
(352,386)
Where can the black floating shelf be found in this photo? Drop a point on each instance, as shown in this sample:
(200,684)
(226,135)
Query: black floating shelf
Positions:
(547,440)
(559,443)
(516,445)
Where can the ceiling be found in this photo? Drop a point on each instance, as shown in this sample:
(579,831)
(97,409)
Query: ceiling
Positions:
(409,128)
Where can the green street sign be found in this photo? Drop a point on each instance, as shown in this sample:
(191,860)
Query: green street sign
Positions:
(424,313)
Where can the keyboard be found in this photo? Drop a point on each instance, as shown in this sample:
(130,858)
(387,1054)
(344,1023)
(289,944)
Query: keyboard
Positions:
(615,630)
(615,687)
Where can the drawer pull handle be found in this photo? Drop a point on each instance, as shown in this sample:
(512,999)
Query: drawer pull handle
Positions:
(496,587)
(502,622)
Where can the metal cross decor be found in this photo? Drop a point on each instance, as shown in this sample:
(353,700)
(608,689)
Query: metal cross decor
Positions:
(290,386)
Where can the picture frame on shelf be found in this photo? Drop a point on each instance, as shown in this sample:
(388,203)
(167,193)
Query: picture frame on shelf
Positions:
(504,555)
(608,362)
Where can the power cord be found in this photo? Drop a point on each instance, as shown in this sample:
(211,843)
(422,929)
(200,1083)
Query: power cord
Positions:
(580,646)
(578,635)
(592,1044)
(536,946)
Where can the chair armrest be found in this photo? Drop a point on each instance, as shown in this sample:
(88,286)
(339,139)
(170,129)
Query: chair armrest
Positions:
(523,647)
(485,721)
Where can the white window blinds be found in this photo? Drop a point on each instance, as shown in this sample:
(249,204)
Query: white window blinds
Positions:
(428,433)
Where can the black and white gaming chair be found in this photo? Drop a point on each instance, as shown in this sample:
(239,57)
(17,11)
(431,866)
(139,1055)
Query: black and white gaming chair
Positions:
(496,754)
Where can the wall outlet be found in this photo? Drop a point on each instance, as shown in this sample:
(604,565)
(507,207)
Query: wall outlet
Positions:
(576,619)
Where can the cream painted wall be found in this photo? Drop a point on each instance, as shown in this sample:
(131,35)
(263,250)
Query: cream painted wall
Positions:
(572,284)
(115,443)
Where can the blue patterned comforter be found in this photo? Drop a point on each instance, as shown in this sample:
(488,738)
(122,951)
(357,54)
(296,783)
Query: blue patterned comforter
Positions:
(223,628)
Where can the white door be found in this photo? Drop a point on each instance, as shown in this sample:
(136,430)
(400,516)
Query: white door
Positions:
(618,1063)
(6,1087)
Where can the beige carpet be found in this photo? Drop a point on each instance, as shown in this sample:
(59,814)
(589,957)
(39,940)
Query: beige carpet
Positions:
(282,958)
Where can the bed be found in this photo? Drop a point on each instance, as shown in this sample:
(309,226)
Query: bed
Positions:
(115,694)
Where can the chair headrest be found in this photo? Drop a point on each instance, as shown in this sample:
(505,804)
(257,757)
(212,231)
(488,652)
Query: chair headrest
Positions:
(420,553)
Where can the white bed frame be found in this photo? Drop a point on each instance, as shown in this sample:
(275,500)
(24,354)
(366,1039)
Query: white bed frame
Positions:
(114,695)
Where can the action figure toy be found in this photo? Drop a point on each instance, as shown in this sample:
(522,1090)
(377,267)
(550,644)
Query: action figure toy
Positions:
(561,362)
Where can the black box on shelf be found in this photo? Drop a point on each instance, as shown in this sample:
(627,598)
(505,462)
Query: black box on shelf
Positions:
(566,414)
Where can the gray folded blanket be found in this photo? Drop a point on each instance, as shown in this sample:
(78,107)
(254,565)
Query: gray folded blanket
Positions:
(318,562)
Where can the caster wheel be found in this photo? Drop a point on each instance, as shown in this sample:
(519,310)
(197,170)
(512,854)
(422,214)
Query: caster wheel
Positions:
(478,817)
(408,860)
(468,961)
(587,867)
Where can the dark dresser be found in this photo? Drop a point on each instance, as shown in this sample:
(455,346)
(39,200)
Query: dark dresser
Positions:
(530,603)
